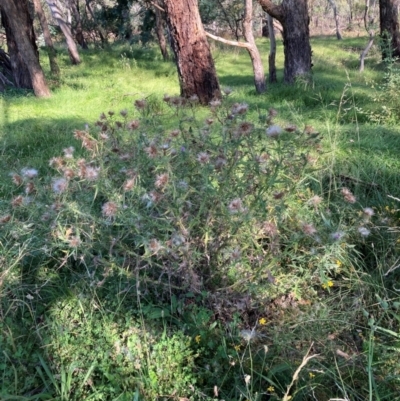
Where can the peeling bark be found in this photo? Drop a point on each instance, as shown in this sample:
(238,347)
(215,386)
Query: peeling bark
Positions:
(66,30)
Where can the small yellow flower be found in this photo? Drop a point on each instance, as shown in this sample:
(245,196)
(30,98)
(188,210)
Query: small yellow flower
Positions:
(197,339)
(271,389)
(262,321)
(237,347)
(312,375)
(338,263)
(327,284)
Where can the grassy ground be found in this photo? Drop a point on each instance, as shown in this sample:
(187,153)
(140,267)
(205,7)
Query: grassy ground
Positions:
(180,288)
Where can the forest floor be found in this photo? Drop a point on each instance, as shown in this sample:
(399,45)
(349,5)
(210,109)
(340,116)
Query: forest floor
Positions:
(154,249)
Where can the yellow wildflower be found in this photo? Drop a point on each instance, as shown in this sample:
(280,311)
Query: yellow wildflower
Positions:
(237,347)
(262,321)
(312,375)
(271,389)
(338,263)
(327,284)
(197,339)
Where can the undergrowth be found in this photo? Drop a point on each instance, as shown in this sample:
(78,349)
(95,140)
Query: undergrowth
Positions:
(168,251)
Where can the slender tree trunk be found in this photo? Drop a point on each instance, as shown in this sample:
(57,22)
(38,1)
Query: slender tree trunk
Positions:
(51,51)
(293,15)
(258,69)
(66,30)
(194,61)
(336,17)
(24,56)
(160,25)
(389,26)
(78,25)
(272,50)
(102,33)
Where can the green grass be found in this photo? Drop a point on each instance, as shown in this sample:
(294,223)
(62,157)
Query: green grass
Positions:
(110,320)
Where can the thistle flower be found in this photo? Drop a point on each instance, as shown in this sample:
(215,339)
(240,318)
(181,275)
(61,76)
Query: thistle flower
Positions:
(68,173)
(336,236)
(30,188)
(315,200)
(140,104)
(364,231)
(236,206)
(203,157)
(129,184)
(154,246)
(220,162)
(134,124)
(74,241)
(59,185)
(308,229)
(244,128)
(69,152)
(269,228)
(273,131)
(17,201)
(16,179)
(161,180)
(123,113)
(57,162)
(215,103)
(347,195)
(240,108)
(151,150)
(368,212)
(174,133)
(29,173)
(5,219)
(109,209)
(91,173)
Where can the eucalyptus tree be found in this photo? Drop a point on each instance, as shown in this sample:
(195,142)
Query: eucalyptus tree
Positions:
(23,52)
(65,27)
(293,15)
(196,69)
(389,28)
(249,45)
(47,37)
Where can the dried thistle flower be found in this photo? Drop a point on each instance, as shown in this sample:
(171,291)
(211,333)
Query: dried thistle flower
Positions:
(140,104)
(161,180)
(59,185)
(203,157)
(308,229)
(29,173)
(109,209)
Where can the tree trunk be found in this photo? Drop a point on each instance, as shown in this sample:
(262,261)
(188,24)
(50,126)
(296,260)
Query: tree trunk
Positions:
(78,25)
(272,50)
(195,64)
(24,56)
(293,15)
(258,69)
(51,51)
(389,26)
(336,17)
(66,30)
(102,33)
(160,32)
